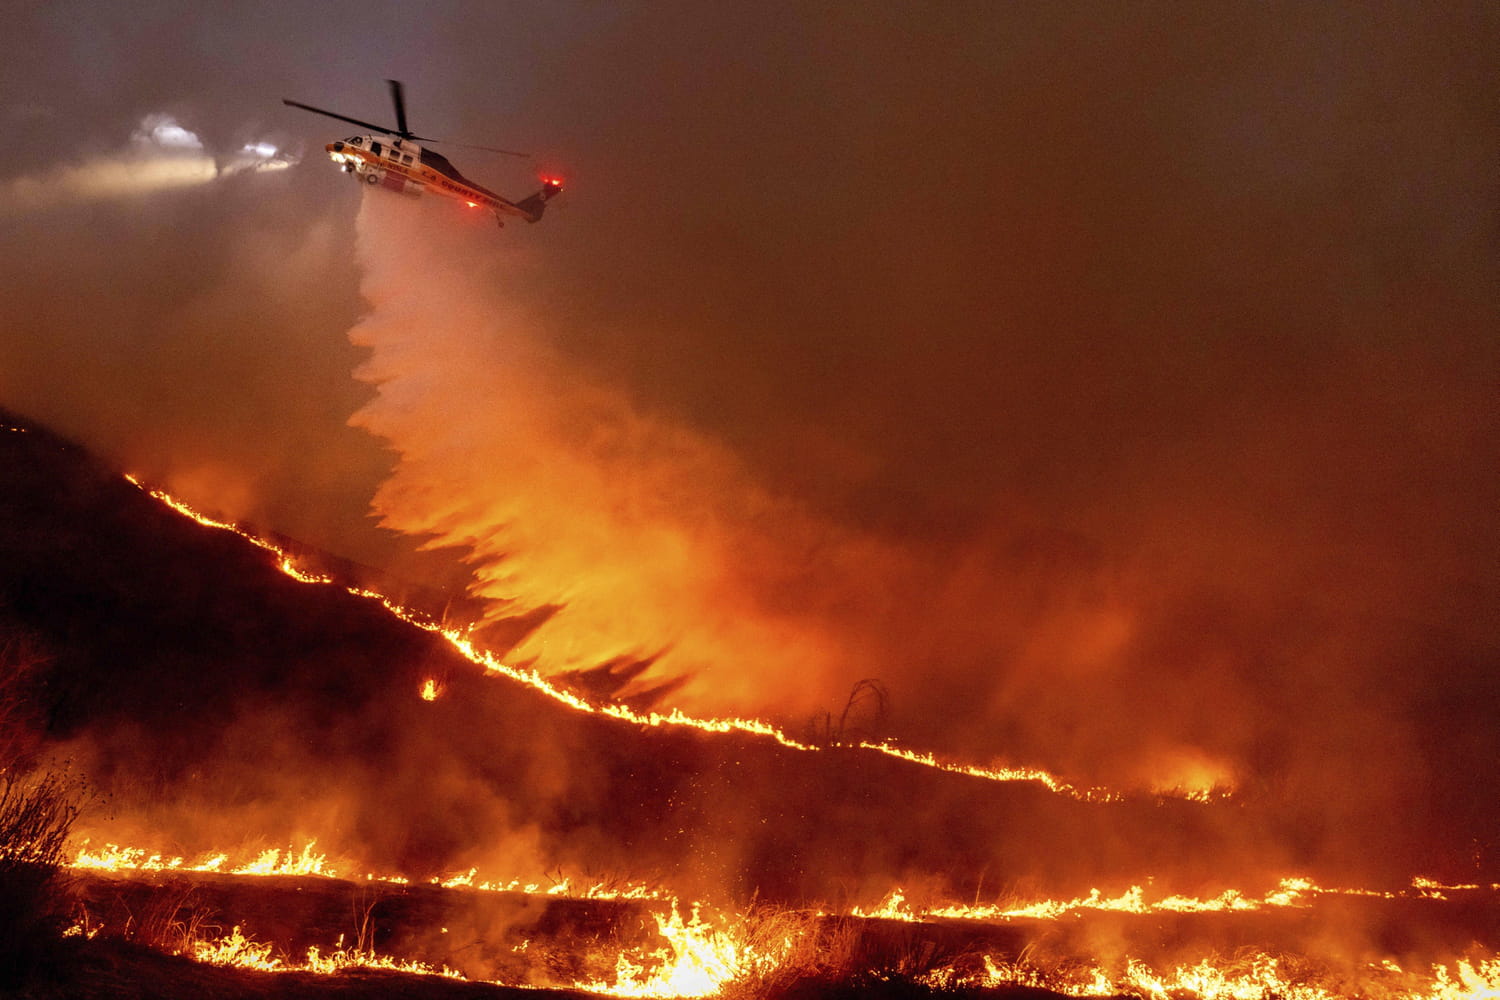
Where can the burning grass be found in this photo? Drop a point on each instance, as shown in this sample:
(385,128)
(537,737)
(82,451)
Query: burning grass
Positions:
(37,810)
(781,954)
(1277,949)
(286,913)
(459,639)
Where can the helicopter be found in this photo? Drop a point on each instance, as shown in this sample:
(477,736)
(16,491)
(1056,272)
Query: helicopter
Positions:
(401,164)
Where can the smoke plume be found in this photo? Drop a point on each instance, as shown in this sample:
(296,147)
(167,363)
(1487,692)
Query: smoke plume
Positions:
(1115,386)
(602,534)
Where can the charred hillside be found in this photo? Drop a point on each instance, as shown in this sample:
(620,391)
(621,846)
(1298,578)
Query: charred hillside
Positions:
(213,702)
(148,616)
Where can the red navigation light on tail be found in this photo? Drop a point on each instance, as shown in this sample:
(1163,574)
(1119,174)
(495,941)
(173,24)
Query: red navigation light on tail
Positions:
(532,207)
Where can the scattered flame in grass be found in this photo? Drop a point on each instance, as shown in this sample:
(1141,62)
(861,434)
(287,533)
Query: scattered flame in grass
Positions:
(1295,893)
(1253,977)
(241,952)
(113,858)
(698,960)
(699,957)
(272,862)
(309,863)
(999,773)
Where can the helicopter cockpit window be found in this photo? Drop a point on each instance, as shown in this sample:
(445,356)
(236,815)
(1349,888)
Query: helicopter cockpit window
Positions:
(357,141)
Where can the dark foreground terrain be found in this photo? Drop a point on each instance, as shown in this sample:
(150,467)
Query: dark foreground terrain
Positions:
(113,970)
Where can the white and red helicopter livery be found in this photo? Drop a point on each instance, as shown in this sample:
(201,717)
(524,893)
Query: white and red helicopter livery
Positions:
(400,163)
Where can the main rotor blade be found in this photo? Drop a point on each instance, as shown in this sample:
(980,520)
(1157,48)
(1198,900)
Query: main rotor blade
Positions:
(342,118)
(487,149)
(399,99)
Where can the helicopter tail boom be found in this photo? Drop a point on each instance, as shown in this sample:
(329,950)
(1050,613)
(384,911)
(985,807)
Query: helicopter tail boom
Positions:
(532,207)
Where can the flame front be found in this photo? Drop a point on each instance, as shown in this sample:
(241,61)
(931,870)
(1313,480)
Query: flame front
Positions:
(113,858)
(704,953)
(1251,977)
(460,641)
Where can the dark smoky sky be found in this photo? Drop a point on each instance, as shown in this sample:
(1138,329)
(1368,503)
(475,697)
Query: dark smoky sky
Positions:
(1159,341)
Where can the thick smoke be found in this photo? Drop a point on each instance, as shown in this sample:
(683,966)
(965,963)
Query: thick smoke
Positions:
(1114,385)
(1140,436)
(601,534)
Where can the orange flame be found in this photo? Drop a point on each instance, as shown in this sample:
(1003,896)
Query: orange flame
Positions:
(113,858)
(1290,892)
(461,642)
(1254,977)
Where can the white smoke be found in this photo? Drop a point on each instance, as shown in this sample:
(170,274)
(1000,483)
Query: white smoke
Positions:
(161,155)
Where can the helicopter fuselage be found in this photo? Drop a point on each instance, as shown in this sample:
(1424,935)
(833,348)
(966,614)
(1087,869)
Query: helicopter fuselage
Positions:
(394,159)
(405,167)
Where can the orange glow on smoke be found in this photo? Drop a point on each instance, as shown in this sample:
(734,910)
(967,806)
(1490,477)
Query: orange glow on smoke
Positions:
(460,641)
(703,953)
(238,951)
(618,533)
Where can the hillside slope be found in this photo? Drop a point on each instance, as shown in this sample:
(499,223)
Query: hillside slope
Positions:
(213,702)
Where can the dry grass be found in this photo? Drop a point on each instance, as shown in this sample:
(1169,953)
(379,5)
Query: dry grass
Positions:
(37,809)
(36,812)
